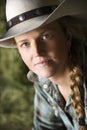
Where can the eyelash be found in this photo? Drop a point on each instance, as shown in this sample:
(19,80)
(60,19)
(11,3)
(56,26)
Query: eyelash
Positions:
(25,44)
(47,36)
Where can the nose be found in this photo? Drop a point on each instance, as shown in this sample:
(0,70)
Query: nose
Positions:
(38,47)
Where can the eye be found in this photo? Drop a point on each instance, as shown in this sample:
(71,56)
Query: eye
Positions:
(25,44)
(47,36)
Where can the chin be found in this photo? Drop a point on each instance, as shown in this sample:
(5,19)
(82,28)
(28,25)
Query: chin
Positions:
(45,72)
(44,75)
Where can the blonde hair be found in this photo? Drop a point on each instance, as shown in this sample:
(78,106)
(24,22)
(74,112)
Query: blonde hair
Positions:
(73,25)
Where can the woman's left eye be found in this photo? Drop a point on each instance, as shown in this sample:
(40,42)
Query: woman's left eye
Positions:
(47,36)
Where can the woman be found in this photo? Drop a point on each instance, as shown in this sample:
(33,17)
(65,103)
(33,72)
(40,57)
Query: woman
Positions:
(51,43)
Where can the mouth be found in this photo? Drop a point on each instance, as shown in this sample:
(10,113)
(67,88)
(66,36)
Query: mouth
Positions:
(43,62)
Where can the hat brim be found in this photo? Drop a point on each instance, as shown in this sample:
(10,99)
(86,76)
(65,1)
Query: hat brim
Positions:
(67,7)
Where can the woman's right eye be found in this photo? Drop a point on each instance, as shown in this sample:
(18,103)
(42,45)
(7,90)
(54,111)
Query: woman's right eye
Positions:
(25,44)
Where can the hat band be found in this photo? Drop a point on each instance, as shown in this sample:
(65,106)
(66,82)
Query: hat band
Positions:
(30,14)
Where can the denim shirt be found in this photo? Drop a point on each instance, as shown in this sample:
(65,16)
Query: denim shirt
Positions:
(47,102)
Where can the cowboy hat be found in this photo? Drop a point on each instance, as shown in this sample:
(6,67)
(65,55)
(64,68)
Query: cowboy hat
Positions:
(25,15)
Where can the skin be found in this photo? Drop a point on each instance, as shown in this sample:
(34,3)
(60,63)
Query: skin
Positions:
(45,52)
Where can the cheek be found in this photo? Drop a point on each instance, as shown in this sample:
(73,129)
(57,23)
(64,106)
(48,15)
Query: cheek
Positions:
(59,49)
(24,56)
(57,46)
(62,51)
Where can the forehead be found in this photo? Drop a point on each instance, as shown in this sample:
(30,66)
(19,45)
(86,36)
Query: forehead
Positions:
(49,27)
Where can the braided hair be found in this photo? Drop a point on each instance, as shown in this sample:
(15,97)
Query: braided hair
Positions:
(76,57)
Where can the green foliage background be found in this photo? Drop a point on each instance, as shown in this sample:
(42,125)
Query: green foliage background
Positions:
(16,93)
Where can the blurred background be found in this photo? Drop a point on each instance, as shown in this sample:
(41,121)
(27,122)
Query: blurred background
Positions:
(16,93)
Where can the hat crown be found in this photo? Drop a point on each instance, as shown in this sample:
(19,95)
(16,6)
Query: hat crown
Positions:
(17,7)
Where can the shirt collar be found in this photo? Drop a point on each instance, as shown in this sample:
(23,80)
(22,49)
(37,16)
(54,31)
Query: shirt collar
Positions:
(37,79)
(43,81)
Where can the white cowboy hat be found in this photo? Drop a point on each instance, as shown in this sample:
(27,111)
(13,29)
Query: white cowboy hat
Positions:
(26,15)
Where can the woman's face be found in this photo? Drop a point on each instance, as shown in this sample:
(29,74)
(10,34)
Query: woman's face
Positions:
(45,50)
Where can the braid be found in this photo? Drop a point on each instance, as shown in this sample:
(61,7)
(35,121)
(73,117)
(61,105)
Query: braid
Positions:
(77,97)
(72,25)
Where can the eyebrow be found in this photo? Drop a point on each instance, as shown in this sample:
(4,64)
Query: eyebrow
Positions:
(41,33)
(45,31)
(21,41)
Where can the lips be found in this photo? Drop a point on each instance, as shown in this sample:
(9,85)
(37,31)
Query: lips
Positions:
(41,61)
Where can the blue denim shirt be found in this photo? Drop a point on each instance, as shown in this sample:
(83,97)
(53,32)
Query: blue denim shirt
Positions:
(46,102)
